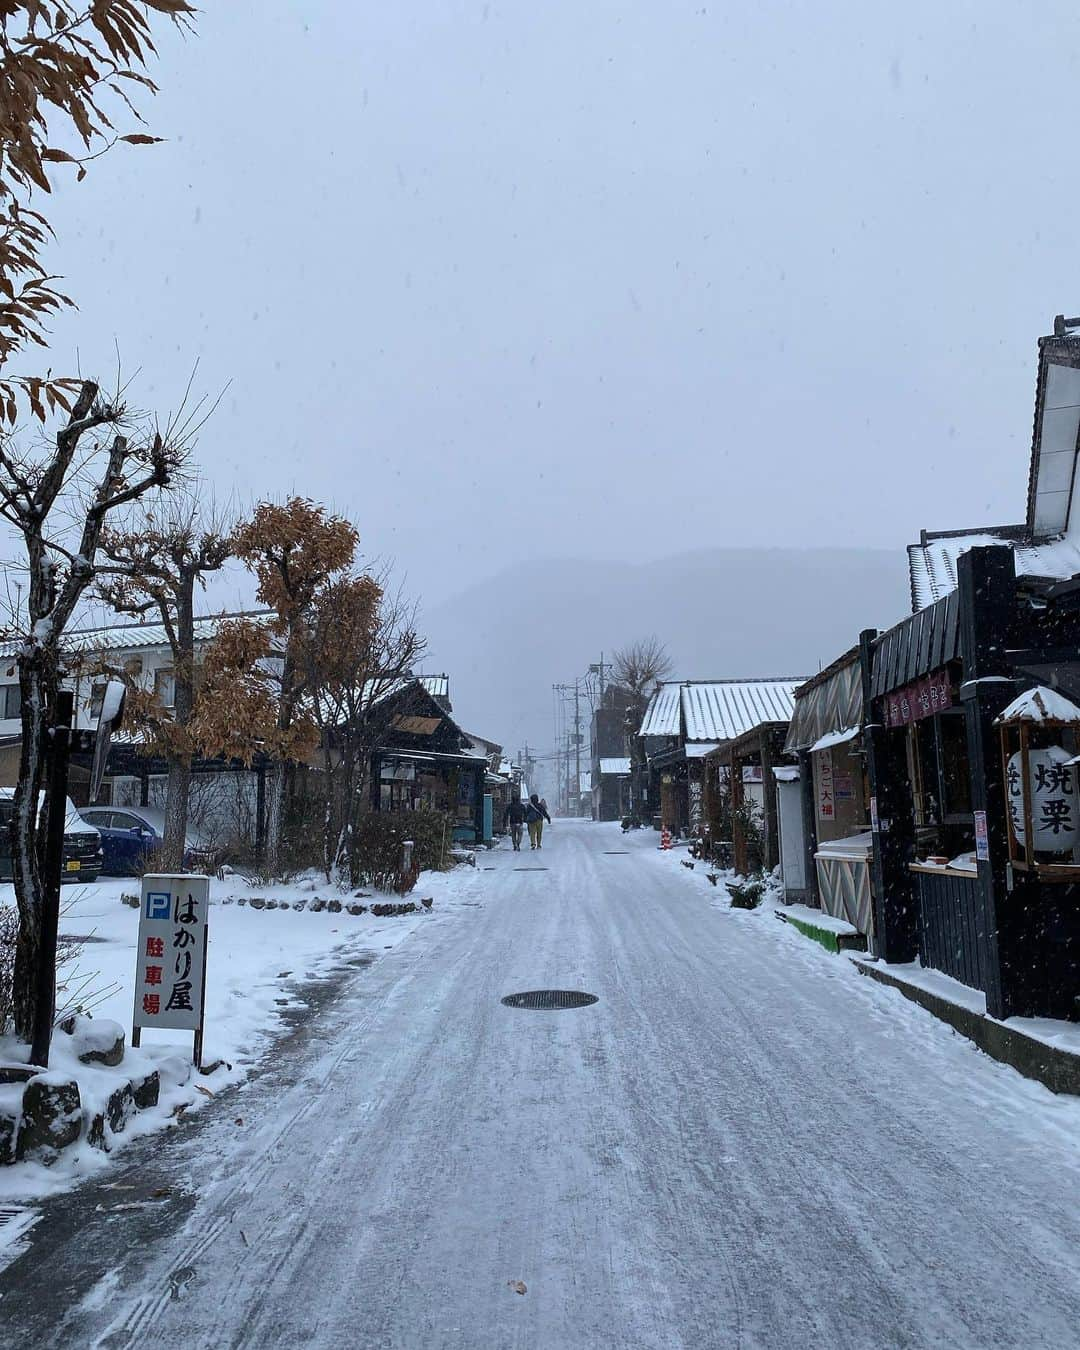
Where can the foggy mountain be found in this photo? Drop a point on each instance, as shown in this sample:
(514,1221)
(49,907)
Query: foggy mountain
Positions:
(721,612)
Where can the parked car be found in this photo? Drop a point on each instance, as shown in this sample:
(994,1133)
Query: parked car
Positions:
(82,842)
(132,835)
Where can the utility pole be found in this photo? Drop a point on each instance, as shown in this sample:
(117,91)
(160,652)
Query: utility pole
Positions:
(577,744)
(598,668)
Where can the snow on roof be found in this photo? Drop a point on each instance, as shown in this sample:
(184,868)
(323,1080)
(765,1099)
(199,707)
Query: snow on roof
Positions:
(832,738)
(663,716)
(717,710)
(1040,705)
(722,710)
(124,636)
(617,764)
(932,563)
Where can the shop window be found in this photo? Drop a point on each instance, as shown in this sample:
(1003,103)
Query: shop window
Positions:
(953,761)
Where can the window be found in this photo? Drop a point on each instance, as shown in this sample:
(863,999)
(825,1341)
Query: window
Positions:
(97,698)
(165,686)
(10,701)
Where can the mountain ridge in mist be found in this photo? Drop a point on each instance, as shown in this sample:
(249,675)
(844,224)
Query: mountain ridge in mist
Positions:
(722,613)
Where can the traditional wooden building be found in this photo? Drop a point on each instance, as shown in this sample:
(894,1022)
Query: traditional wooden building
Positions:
(828,861)
(687,722)
(971,729)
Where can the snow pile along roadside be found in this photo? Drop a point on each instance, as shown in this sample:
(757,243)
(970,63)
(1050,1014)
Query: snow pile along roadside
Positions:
(265,944)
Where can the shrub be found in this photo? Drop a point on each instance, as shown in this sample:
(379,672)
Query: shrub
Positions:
(746,894)
(375,847)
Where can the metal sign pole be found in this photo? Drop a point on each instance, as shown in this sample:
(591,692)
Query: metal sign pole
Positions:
(197,1050)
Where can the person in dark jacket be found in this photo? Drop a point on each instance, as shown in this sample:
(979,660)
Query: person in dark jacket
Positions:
(535,815)
(514,817)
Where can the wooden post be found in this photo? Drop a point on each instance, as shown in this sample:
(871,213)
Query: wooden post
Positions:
(809,820)
(986,594)
(768,789)
(738,833)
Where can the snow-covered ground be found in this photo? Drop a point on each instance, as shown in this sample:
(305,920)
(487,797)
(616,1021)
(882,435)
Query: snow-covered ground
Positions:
(258,962)
(742,1143)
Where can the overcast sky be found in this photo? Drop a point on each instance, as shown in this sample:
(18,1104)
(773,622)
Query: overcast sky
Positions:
(508,280)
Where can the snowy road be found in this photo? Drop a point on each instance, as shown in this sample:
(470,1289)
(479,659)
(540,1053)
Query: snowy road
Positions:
(743,1143)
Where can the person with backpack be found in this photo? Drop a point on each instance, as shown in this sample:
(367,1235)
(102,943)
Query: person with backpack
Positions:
(535,814)
(514,817)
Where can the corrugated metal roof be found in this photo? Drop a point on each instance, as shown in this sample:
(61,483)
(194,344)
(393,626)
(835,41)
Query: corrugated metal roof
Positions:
(663,716)
(722,710)
(132,636)
(932,563)
(438,686)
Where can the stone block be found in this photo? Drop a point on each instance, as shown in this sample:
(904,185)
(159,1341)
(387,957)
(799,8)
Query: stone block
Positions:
(95,1041)
(51,1117)
(146,1091)
(120,1108)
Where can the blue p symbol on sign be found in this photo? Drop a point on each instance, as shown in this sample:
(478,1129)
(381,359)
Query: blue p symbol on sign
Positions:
(158,904)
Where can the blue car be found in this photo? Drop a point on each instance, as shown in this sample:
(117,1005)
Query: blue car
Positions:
(132,835)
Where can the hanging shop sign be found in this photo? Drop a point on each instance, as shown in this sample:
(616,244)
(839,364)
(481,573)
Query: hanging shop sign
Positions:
(922,698)
(170,975)
(826,795)
(1052,792)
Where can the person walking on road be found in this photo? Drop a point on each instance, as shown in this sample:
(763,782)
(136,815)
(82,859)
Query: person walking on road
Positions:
(514,817)
(535,815)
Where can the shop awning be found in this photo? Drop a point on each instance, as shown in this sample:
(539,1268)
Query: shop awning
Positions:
(786,773)
(830,702)
(615,765)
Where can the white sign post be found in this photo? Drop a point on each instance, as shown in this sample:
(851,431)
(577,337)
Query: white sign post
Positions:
(170,971)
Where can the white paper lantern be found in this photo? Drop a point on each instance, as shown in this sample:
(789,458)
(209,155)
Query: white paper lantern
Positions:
(1052,791)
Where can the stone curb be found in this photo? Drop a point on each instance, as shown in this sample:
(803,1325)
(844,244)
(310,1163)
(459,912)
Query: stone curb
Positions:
(1057,1069)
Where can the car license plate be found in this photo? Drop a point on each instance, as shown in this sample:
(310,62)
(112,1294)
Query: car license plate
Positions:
(74,865)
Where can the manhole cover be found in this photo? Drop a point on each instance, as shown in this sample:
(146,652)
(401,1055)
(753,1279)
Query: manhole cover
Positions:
(550,999)
(616,853)
(530,869)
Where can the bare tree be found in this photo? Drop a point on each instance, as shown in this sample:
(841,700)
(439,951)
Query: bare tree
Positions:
(368,643)
(157,565)
(639,668)
(59,495)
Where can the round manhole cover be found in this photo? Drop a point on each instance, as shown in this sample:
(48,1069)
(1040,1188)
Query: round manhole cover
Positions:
(550,999)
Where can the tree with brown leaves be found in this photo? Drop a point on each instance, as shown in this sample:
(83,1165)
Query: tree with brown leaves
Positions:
(155,566)
(66,69)
(296,550)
